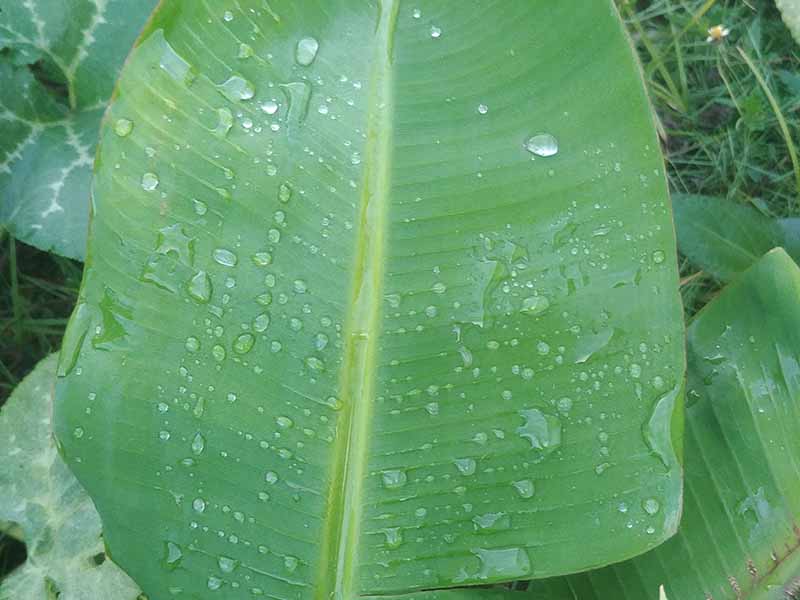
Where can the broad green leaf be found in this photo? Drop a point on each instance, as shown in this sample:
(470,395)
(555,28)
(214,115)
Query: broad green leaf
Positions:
(58,63)
(55,516)
(790,12)
(739,536)
(722,237)
(373,289)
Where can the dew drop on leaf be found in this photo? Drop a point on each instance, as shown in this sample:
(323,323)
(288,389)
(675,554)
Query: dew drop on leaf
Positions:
(149,182)
(123,127)
(306,51)
(542,144)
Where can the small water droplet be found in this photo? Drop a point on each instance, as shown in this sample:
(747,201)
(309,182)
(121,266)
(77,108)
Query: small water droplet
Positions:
(525,488)
(198,444)
(123,127)
(543,431)
(237,88)
(394,537)
(218,352)
(244,343)
(271,477)
(245,51)
(483,109)
(149,182)
(466,466)
(543,145)
(224,122)
(659,257)
(225,257)
(172,555)
(436,32)
(214,583)
(290,563)
(651,506)
(226,564)
(270,107)
(394,479)
(284,192)
(192,344)
(77,433)
(199,505)
(306,51)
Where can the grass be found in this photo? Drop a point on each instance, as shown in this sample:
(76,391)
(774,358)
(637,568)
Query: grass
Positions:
(728,115)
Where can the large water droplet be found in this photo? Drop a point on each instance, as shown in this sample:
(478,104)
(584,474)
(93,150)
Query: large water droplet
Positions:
(490,522)
(225,257)
(172,555)
(525,488)
(123,127)
(198,444)
(237,88)
(224,122)
(466,466)
(543,431)
(394,479)
(200,288)
(149,182)
(244,343)
(226,564)
(306,51)
(543,144)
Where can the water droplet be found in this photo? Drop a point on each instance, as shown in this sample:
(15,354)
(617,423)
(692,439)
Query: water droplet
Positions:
(491,522)
(306,51)
(192,344)
(315,364)
(394,537)
(466,466)
(227,16)
(659,257)
(651,506)
(284,192)
(261,322)
(543,145)
(200,288)
(198,444)
(290,563)
(245,51)
(149,182)
(483,109)
(589,344)
(635,370)
(270,107)
(237,88)
(244,343)
(299,95)
(172,62)
(535,305)
(543,348)
(300,286)
(501,564)
(525,488)
(77,433)
(199,505)
(172,555)
(200,207)
(439,287)
(123,127)
(543,431)
(262,259)
(224,122)
(226,564)
(214,583)
(219,353)
(436,32)
(416,13)
(284,422)
(394,479)
(225,257)
(657,431)
(271,477)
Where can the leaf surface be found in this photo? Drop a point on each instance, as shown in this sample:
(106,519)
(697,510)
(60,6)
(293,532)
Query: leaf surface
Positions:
(55,516)
(58,64)
(373,288)
(739,536)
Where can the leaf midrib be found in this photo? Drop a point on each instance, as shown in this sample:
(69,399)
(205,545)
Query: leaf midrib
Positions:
(357,380)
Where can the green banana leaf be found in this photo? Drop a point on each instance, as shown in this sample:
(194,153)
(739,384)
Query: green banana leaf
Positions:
(379,297)
(58,64)
(739,536)
(53,514)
